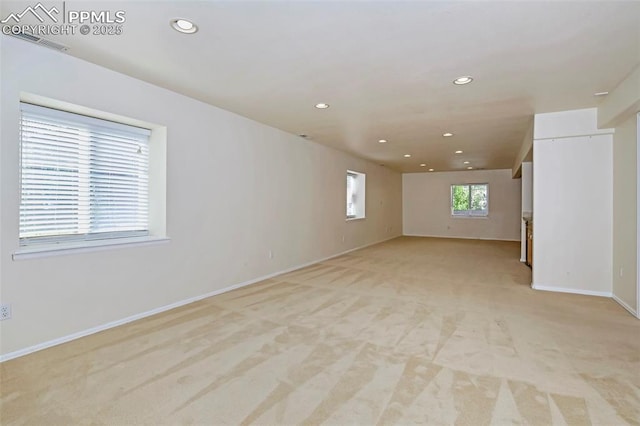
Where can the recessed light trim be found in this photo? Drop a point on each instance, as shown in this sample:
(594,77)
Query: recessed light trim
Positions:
(465,79)
(423,165)
(469,168)
(407,155)
(382,141)
(430,170)
(465,162)
(183,26)
(447,135)
(322,105)
(458,152)
(601,94)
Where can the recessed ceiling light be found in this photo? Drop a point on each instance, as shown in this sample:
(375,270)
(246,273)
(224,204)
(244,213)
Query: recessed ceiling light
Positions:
(466,162)
(184,26)
(423,165)
(382,141)
(601,94)
(322,106)
(469,168)
(458,152)
(463,80)
(407,155)
(430,170)
(447,135)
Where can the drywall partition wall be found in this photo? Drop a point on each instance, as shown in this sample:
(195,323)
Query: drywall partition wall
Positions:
(426,210)
(622,102)
(236,190)
(620,109)
(572,182)
(524,154)
(527,205)
(625,214)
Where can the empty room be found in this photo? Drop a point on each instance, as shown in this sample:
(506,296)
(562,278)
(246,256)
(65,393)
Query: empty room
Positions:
(319,212)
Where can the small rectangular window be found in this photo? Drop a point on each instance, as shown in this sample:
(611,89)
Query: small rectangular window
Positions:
(356,183)
(470,199)
(82,178)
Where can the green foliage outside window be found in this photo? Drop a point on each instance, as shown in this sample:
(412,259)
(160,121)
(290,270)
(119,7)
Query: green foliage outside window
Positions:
(460,197)
(478,197)
(469,200)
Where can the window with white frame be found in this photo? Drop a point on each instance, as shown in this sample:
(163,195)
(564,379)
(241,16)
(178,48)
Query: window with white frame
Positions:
(470,199)
(356,188)
(82,178)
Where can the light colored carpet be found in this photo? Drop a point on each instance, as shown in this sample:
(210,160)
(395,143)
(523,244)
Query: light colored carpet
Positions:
(414,330)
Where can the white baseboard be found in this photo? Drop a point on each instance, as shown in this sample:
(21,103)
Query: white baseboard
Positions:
(523,260)
(571,290)
(459,238)
(627,307)
(112,324)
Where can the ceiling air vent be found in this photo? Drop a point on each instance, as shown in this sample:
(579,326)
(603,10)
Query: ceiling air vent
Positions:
(41,41)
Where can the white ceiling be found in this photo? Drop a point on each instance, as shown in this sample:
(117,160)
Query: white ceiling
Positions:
(385,67)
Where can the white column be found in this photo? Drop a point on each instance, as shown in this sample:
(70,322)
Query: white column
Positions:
(572,194)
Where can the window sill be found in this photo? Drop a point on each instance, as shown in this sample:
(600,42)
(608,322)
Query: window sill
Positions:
(46,250)
(349,219)
(469,217)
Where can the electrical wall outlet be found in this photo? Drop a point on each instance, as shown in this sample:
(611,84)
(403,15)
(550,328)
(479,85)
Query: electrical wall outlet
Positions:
(5,311)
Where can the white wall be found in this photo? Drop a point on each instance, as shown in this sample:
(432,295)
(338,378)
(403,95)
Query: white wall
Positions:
(572,174)
(621,102)
(527,187)
(625,213)
(620,108)
(524,154)
(527,205)
(426,210)
(235,189)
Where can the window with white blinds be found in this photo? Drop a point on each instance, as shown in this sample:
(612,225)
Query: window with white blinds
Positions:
(82,178)
(351,195)
(355,194)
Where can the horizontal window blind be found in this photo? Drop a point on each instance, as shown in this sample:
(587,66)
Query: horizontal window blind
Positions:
(82,178)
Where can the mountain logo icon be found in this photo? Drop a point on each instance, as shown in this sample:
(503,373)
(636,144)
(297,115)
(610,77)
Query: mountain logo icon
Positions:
(38,11)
